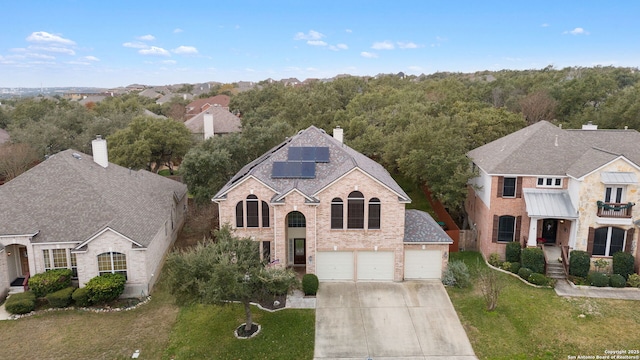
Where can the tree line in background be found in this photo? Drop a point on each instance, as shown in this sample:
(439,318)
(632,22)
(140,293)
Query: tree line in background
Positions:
(419,127)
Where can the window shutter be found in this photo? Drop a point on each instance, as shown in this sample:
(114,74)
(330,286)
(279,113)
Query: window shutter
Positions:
(500,185)
(590,238)
(494,234)
(518,223)
(629,241)
(519,187)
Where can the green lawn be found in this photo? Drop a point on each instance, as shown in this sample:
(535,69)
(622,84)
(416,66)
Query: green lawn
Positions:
(533,323)
(206,332)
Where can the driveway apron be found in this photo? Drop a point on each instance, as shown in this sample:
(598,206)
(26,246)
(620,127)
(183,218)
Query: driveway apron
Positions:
(386,320)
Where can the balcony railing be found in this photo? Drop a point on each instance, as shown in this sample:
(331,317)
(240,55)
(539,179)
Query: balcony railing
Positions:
(615,210)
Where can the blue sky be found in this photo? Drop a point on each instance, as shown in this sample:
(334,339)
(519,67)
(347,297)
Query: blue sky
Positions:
(116,43)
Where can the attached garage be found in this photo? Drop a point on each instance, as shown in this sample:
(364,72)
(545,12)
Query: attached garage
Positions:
(334,265)
(375,265)
(422,264)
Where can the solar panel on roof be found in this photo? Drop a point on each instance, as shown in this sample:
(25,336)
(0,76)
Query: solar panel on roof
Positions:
(295,153)
(279,169)
(293,170)
(322,154)
(307,170)
(309,153)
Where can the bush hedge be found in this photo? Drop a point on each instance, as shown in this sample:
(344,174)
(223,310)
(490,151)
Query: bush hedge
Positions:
(538,279)
(50,281)
(81,297)
(533,258)
(617,281)
(105,288)
(513,251)
(60,298)
(515,267)
(460,273)
(623,264)
(494,259)
(598,279)
(310,284)
(505,266)
(21,303)
(634,280)
(525,273)
(579,263)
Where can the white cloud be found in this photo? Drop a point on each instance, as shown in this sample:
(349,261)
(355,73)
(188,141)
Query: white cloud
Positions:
(407,45)
(368,55)
(185,50)
(383,45)
(91,58)
(316,43)
(148,37)
(311,35)
(545,25)
(177,31)
(154,50)
(349,31)
(169,62)
(73,62)
(338,47)
(55,49)
(41,56)
(42,36)
(577,31)
(135,45)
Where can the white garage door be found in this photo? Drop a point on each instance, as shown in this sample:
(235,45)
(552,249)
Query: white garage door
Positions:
(375,265)
(334,265)
(422,264)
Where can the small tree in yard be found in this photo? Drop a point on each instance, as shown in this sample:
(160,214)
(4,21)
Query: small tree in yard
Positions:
(228,269)
(490,286)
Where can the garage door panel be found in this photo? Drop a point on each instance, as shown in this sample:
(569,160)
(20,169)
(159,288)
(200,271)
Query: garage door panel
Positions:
(375,265)
(422,264)
(334,265)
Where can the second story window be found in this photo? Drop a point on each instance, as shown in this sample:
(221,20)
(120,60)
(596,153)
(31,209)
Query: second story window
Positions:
(374,214)
(337,214)
(355,210)
(252,211)
(549,182)
(509,187)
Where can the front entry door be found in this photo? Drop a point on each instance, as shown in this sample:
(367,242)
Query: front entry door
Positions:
(549,229)
(299,252)
(24,260)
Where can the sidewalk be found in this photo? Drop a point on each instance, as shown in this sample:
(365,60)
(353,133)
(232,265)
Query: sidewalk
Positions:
(564,288)
(4,315)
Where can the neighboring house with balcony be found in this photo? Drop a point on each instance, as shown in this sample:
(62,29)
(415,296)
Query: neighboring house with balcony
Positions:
(83,213)
(319,206)
(546,185)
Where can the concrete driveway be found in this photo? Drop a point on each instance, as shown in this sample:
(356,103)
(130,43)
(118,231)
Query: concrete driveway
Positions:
(408,320)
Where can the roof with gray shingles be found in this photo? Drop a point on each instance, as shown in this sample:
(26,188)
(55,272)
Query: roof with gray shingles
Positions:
(4,136)
(224,122)
(69,199)
(545,149)
(342,159)
(420,227)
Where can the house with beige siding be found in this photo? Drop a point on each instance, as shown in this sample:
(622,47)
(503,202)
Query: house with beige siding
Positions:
(319,206)
(544,185)
(83,213)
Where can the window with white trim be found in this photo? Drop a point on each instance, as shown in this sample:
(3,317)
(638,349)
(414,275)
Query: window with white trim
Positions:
(374,214)
(60,259)
(509,187)
(608,241)
(506,228)
(355,210)
(112,263)
(549,182)
(337,213)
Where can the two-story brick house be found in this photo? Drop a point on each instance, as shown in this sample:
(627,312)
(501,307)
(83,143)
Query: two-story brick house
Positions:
(543,184)
(315,204)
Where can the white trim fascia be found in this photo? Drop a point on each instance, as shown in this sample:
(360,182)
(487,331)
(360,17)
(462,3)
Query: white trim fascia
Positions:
(408,201)
(55,243)
(242,181)
(20,235)
(102,232)
(426,243)
(282,196)
(620,157)
(530,175)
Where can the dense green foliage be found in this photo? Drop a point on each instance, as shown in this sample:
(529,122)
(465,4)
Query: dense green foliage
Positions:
(81,297)
(634,280)
(50,281)
(457,274)
(623,264)
(310,284)
(533,258)
(538,279)
(105,288)
(579,263)
(60,298)
(617,281)
(598,279)
(21,303)
(513,251)
(524,273)
(515,267)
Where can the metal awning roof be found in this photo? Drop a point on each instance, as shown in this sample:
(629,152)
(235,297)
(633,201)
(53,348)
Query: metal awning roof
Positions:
(549,204)
(618,177)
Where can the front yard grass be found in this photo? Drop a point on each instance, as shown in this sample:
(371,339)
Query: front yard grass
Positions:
(207,332)
(534,323)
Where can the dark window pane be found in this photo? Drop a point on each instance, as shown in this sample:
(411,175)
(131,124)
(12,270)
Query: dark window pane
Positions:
(600,241)
(549,181)
(296,219)
(617,241)
(506,228)
(337,213)
(265,214)
(252,211)
(558,182)
(509,188)
(239,215)
(266,251)
(355,211)
(540,181)
(374,213)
